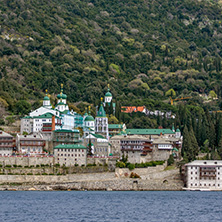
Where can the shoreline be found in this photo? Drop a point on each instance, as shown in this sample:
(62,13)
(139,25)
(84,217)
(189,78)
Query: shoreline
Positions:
(109,181)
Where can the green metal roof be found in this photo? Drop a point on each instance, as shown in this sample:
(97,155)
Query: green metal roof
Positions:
(115,126)
(44,116)
(67,131)
(27,117)
(175,149)
(60,103)
(89,118)
(101,112)
(122,133)
(70,146)
(178,130)
(98,136)
(149,131)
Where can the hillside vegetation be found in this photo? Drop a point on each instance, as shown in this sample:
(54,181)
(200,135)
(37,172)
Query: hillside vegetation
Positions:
(142,48)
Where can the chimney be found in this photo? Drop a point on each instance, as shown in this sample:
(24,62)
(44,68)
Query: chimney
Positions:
(53,123)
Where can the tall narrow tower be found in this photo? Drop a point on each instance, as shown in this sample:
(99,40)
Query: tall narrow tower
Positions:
(108,96)
(101,124)
(61,105)
(46,100)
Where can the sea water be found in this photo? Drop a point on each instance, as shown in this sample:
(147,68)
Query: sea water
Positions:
(96,206)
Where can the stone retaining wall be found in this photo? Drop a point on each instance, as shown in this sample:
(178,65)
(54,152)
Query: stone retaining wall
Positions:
(26,161)
(164,180)
(55,179)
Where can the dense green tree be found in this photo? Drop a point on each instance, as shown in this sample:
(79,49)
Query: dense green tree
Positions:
(22,107)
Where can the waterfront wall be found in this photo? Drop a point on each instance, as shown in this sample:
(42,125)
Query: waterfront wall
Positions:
(59,183)
(37,179)
(162,180)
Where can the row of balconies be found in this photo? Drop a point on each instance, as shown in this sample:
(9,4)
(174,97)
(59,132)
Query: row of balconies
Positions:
(6,146)
(204,176)
(2,140)
(132,144)
(130,149)
(207,170)
(32,144)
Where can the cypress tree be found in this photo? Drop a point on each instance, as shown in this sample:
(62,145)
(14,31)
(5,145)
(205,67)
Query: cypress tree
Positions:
(198,129)
(90,148)
(153,54)
(186,144)
(220,148)
(107,108)
(111,111)
(218,130)
(212,136)
(195,147)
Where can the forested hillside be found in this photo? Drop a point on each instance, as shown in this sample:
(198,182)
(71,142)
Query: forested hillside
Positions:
(142,48)
(146,50)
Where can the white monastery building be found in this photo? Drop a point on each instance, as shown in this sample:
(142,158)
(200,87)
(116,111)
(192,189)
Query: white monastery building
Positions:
(204,175)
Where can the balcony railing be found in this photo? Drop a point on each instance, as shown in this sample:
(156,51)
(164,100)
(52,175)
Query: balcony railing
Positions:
(210,176)
(207,170)
(6,141)
(32,144)
(6,146)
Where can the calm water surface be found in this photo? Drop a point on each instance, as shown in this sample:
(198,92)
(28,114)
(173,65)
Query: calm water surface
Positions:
(93,206)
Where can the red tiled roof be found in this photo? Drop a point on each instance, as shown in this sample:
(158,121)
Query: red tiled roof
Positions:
(130,109)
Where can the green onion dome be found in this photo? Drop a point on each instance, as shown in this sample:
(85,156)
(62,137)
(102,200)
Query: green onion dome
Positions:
(89,118)
(108,94)
(62,96)
(46,98)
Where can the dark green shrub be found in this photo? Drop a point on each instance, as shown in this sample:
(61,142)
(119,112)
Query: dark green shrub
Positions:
(170,161)
(90,165)
(120,164)
(130,166)
(9,166)
(29,173)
